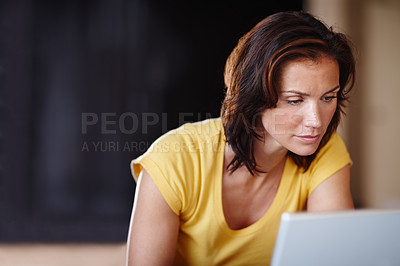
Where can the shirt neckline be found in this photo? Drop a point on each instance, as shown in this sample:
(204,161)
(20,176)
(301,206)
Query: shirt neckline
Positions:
(269,214)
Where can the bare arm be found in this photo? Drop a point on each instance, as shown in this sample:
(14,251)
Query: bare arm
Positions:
(333,194)
(154,226)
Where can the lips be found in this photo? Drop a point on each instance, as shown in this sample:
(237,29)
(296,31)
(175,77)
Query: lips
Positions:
(309,139)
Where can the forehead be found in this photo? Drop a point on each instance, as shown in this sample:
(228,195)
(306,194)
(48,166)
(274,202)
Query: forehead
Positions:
(310,63)
(309,74)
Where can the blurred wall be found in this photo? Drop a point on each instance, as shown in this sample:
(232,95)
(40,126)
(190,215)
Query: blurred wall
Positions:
(85,87)
(371,128)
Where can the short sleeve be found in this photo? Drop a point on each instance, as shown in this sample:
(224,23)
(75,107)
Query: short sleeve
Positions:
(330,159)
(159,177)
(170,167)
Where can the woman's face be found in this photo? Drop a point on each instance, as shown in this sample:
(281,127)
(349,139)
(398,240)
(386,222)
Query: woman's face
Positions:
(306,105)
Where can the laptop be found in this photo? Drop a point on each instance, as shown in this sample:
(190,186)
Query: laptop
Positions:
(358,237)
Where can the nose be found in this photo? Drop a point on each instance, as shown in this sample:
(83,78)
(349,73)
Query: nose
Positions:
(312,117)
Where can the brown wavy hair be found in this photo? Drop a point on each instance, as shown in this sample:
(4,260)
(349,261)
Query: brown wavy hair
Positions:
(252,77)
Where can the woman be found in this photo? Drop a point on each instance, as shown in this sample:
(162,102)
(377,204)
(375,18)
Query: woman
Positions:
(212,193)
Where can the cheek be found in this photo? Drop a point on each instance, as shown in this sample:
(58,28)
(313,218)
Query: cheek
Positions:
(330,112)
(296,118)
(278,121)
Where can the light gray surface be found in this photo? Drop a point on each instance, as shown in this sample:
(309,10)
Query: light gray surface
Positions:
(361,237)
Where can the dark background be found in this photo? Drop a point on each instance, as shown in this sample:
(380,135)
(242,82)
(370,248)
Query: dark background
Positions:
(139,67)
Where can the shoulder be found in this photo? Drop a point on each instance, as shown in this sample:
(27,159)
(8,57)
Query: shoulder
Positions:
(188,135)
(335,146)
(174,160)
(335,149)
(188,139)
(184,143)
(332,157)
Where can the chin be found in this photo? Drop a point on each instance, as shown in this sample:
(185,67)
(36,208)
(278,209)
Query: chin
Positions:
(305,151)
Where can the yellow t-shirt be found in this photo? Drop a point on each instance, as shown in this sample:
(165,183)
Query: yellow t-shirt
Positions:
(186,165)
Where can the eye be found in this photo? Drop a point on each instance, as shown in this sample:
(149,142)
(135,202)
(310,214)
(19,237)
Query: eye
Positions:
(294,102)
(328,98)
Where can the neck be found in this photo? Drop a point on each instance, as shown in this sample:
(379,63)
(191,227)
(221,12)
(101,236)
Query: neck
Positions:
(269,154)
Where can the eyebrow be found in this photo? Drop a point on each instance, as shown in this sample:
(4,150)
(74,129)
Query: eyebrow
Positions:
(306,94)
